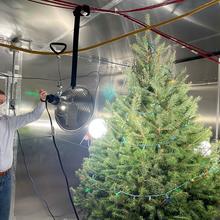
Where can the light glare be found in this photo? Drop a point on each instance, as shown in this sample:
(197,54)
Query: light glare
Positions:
(97,128)
(63,107)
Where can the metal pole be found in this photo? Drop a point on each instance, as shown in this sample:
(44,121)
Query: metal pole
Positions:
(75,45)
(14,98)
(12,107)
(11,99)
(217,110)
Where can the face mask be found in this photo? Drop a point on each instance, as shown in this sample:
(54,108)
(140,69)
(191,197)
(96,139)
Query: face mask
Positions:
(3,109)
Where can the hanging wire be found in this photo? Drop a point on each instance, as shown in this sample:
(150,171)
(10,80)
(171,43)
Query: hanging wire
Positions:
(192,48)
(62,2)
(196,10)
(202,53)
(59,83)
(70,5)
(166,22)
(53,5)
(61,163)
(165,3)
(211,170)
(35,188)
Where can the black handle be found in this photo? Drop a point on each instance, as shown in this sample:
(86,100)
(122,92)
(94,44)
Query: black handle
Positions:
(52,47)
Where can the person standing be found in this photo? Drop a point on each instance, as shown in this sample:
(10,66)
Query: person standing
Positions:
(8,127)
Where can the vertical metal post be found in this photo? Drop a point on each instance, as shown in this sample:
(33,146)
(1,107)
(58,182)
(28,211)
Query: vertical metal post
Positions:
(217,110)
(14,93)
(12,99)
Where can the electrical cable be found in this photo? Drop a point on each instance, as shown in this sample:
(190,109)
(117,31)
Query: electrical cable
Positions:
(186,59)
(47,4)
(38,194)
(60,162)
(165,3)
(32,180)
(44,202)
(70,5)
(62,2)
(102,60)
(12,107)
(212,170)
(166,22)
(192,48)
(203,53)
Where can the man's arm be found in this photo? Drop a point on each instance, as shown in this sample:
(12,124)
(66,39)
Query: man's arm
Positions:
(22,120)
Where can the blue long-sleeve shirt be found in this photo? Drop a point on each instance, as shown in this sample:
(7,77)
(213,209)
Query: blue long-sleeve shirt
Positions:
(8,127)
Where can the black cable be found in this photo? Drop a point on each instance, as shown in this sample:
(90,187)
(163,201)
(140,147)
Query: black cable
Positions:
(24,159)
(27,170)
(31,179)
(61,164)
(43,201)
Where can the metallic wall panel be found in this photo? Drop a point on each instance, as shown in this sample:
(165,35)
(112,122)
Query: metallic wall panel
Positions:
(207,105)
(200,71)
(42,25)
(46,173)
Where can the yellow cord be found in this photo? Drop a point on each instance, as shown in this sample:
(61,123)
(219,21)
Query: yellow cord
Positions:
(169,21)
(12,47)
(200,8)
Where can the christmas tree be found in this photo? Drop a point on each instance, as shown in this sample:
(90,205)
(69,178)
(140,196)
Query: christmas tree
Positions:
(148,166)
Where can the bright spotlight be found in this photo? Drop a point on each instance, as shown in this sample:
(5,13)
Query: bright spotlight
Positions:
(63,107)
(97,128)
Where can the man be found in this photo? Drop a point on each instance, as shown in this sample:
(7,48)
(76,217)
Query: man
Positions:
(8,127)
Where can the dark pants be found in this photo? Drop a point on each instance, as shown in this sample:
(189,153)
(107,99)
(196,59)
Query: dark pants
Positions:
(5,196)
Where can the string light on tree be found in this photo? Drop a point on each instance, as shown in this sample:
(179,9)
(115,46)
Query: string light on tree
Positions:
(166,195)
(156,173)
(109,92)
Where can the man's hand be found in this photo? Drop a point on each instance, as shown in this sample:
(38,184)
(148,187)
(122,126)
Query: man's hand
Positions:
(43,95)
